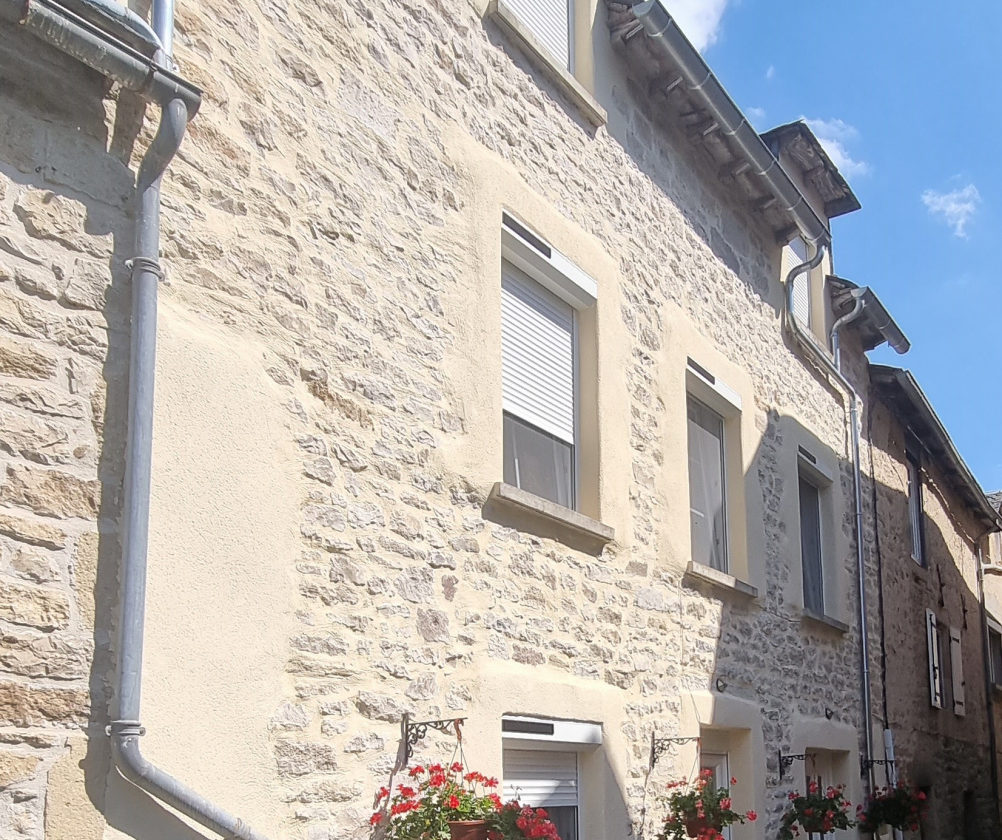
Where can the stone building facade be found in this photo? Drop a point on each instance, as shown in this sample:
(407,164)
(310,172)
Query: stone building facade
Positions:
(333,543)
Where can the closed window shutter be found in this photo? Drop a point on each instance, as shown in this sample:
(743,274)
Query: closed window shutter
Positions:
(935,672)
(957,669)
(537,355)
(540,778)
(797,255)
(549,21)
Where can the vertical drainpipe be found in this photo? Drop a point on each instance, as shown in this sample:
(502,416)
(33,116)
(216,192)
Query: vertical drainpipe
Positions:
(835,369)
(987,668)
(126,729)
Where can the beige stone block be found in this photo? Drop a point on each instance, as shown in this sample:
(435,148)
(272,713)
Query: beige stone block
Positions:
(34,565)
(70,813)
(42,400)
(16,768)
(87,284)
(85,575)
(33,606)
(34,439)
(25,362)
(46,215)
(21,705)
(51,493)
(53,656)
(33,533)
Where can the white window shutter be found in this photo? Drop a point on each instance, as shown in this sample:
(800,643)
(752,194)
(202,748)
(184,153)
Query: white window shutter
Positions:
(537,355)
(540,778)
(797,255)
(935,672)
(957,666)
(550,22)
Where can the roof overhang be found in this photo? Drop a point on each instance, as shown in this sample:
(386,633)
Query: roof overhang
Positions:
(798,141)
(902,394)
(874,324)
(684,91)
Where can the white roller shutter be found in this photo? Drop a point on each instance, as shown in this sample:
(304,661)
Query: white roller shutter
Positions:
(797,255)
(957,666)
(935,670)
(537,355)
(549,21)
(540,778)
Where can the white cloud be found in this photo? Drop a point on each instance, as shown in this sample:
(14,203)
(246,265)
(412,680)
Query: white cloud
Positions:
(756,115)
(834,136)
(770,73)
(956,208)
(699,20)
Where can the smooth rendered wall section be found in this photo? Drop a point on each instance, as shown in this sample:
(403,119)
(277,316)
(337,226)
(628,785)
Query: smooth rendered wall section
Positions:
(221,591)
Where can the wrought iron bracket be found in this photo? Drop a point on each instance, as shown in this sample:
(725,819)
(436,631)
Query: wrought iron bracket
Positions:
(415,731)
(866,763)
(786,762)
(659,746)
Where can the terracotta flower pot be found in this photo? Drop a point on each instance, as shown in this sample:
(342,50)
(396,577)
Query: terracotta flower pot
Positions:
(694,825)
(468,830)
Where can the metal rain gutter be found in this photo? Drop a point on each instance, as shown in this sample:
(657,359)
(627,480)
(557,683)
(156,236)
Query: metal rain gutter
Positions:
(76,36)
(834,368)
(665,35)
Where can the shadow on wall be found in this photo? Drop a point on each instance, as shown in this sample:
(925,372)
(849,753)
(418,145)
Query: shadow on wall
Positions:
(72,191)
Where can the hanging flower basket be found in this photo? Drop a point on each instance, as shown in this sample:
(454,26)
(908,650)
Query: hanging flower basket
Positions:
(817,812)
(700,809)
(898,807)
(468,829)
(699,826)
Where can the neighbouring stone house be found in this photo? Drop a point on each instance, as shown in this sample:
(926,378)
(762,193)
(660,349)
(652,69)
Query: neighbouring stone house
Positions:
(479,394)
(991,558)
(932,518)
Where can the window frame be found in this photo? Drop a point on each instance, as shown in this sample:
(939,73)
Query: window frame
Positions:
(535,260)
(803,477)
(724,506)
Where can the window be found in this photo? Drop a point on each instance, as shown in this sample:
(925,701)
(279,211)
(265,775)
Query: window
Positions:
(935,660)
(995,654)
(915,508)
(707,483)
(796,254)
(719,766)
(541,766)
(549,21)
(538,351)
(544,779)
(810,545)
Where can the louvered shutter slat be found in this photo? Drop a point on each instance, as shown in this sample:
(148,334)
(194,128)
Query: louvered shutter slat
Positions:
(549,21)
(537,354)
(540,778)
(935,671)
(797,255)
(957,667)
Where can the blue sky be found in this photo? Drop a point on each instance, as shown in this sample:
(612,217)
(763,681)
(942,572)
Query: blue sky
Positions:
(905,97)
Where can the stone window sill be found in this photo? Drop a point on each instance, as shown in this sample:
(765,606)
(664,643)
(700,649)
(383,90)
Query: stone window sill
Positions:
(825,621)
(719,580)
(561,523)
(540,56)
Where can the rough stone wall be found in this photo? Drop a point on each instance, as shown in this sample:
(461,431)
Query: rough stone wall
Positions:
(320,213)
(946,753)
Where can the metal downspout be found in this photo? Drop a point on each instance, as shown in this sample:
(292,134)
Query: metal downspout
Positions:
(126,729)
(987,668)
(835,369)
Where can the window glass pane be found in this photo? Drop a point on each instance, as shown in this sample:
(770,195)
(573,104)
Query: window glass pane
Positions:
(538,462)
(718,765)
(565,818)
(810,546)
(706,486)
(995,648)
